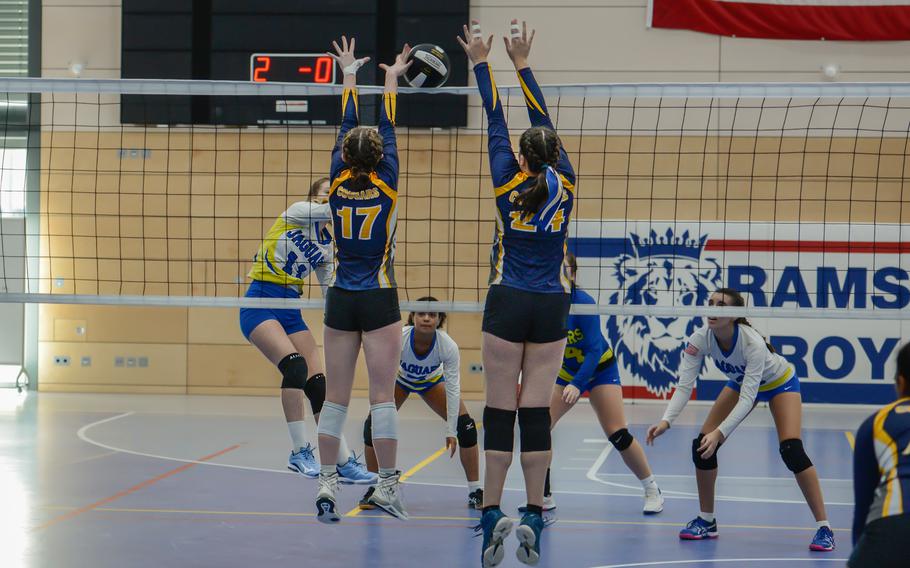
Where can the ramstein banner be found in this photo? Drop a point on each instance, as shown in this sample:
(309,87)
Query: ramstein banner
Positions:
(789,265)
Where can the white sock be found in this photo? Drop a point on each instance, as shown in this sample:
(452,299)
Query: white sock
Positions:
(327,470)
(344,452)
(649,483)
(298,434)
(387,471)
(820,524)
(473,486)
(707,516)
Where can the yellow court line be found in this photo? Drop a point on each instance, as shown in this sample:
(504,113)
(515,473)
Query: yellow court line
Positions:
(850,439)
(441,518)
(408,474)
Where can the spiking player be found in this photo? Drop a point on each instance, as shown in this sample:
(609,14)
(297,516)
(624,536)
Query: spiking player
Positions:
(881,480)
(362,304)
(589,366)
(430,368)
(756,374)
(299,242)
(524,320)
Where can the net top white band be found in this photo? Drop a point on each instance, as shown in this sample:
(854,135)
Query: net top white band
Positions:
(640,90)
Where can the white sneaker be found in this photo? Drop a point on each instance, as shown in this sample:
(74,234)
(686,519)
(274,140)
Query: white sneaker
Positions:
(388,496)
(549,503)
(654,501)
(325,499)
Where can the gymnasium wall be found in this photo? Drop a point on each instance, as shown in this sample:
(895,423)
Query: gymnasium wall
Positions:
(188,212)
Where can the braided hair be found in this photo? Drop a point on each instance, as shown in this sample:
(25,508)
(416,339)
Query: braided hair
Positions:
(362,149)
(738,301)
(540,146)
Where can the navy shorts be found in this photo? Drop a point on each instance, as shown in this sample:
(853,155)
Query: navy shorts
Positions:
(290,320)
(606,374)
(520,316)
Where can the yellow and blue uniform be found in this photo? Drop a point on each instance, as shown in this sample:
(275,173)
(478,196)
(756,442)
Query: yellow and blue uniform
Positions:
(298,243)
(528,251)
(588,360)
(364,221)
(881,470)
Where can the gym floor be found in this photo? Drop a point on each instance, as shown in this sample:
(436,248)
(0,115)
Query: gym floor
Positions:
(124,480)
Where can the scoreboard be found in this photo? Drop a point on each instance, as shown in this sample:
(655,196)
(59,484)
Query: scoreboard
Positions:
(282,40)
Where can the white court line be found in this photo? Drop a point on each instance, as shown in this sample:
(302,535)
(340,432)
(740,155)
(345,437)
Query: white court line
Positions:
(668,494)
(82,436)
(595,440)
(720,560)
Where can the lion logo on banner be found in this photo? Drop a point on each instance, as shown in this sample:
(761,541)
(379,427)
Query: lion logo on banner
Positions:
(662,270)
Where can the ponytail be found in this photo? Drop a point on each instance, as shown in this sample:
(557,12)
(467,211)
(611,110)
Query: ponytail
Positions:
(540,146)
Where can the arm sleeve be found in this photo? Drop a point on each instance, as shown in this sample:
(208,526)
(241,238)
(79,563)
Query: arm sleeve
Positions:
(349,120)
(756,354)
(865,476)
(690,364)
(388,166)
(324,276)
(593,351)
(307,212)
(451,365)
(503,165)
(539,116)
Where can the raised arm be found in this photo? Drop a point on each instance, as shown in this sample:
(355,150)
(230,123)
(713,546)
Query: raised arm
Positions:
(503,165)
(518,46)
(344,56)
(388,168)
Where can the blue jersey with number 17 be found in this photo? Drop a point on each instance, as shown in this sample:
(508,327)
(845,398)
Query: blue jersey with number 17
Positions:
(364,221)
(528,250)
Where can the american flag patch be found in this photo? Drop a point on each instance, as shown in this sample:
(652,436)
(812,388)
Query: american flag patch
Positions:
(691,350)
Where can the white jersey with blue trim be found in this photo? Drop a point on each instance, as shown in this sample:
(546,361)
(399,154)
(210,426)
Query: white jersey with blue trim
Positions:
(440,363)
(749,363)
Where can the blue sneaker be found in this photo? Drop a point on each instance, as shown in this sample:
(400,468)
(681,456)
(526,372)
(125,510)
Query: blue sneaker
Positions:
(823,541)
(354,472)
(528,533)
(496,526)
(303,462)
(699,529)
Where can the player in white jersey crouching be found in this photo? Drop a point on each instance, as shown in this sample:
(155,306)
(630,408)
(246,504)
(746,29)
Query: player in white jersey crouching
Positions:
(429,361)
(756,373)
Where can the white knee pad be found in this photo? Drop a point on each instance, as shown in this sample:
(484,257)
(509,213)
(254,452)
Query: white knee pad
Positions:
(331,419)
(385,421)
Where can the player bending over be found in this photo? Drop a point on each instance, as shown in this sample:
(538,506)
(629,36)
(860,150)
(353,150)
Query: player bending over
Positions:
(429,367)
(756,374)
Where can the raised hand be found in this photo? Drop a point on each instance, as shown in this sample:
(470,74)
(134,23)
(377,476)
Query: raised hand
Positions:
(518,46)
(401,63)
(473,43)
(344,56)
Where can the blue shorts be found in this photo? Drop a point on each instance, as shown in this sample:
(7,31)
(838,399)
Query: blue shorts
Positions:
(290,320)
(418,388)
(609,375)
(764,396)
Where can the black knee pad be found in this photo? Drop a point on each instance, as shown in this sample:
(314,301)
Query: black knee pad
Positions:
(293,371)
(368,431)
(534,426)
(700,462)
(621,439)
(794,455)
(467,431)
(315,391)
(498,429)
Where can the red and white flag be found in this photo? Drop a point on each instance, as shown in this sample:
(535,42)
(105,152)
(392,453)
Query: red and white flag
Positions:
(856,20)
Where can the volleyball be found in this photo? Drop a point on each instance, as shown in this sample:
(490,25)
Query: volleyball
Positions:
(430,67)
